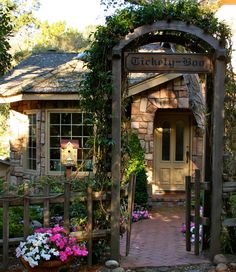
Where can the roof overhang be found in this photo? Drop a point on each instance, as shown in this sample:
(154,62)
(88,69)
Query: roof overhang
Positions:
(40,97)
(150,83)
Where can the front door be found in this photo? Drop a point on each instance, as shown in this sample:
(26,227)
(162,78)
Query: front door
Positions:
(172,151)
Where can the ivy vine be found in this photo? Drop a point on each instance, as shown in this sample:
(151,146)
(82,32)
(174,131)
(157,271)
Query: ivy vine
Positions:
(96,87)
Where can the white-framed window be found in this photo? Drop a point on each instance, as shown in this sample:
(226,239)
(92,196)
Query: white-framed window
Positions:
(69,125)
(31,148)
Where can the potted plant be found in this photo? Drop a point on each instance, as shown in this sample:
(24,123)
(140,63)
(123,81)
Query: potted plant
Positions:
(48,249)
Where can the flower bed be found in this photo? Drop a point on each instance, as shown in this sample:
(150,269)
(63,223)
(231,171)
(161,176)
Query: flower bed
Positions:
(192,231)
(50,244)
(140,213)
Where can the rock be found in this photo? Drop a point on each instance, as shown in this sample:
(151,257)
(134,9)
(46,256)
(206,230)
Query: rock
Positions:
(118,269)
(35,224)
(221,267)
(224,258)
(111,264)
(233,265)
(163,269)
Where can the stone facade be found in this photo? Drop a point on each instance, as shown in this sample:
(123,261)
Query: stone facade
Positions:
(171,96)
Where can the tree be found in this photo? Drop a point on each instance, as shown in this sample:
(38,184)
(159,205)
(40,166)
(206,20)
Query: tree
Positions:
(21,13)
(5,31)
(58,36)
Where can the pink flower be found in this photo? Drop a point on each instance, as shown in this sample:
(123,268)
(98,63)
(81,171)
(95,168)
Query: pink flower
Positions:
(55,237)
(63,256)
(58,229)
(60,244)
(68,251)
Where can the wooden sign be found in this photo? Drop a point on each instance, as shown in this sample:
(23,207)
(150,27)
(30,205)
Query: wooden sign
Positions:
(162,62)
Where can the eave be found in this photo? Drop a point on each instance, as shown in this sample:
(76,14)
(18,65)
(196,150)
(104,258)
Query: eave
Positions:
(150,83)
(40,97)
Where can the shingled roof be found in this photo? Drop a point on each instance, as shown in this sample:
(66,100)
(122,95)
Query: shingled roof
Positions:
(43,73)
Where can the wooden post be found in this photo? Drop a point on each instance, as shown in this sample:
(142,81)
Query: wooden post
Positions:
(188,212)
(26,211)
(46,206)
(5,233)
(90,224)
(197,211)
(67,197)
(217,152)
(116,157)
(131,194)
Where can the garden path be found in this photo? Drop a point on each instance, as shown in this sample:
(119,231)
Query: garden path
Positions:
(158,241)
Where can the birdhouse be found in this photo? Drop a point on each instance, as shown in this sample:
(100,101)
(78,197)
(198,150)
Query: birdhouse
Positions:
(69,151)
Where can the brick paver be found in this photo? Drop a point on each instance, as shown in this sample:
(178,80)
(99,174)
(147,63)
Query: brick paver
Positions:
(158,241)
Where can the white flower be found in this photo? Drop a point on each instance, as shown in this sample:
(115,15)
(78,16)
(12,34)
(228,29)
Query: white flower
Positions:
(46,256)
(54,252)
(31,261)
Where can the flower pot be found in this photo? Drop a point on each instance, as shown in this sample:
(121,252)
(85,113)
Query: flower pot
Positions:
(47,266)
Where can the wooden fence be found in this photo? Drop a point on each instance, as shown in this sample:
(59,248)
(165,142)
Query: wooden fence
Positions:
(66,198)
(26,200)
(193,191)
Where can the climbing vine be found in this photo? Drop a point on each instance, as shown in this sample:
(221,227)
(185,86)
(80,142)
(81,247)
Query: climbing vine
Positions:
(96,87)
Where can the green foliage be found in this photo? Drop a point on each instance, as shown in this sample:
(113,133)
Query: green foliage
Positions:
(135,163)
(21,12)
(135,160)
(16,219)
(228,234)
(58,36)
(5,31)
(141,194)
(4,131)
(232,203)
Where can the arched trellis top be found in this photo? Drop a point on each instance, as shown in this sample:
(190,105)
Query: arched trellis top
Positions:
(178,26)
(216,106)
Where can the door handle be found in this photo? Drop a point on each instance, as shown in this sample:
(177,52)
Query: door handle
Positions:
(187,156)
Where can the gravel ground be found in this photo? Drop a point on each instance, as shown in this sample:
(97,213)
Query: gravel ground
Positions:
(17,267)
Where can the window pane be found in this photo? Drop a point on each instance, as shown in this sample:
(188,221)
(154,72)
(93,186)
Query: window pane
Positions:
(66,131)
(31,148)
(88,130)
(54,130)
(55,153)
(54,118)
(76,118)
(77,130)
(55,142)
(179,149)
(166,141)
(66,118)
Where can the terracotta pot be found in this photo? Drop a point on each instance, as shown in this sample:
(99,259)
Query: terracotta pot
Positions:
(47,266)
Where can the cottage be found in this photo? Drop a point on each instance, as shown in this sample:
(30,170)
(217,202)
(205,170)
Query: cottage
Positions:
(43,95)
(167,112)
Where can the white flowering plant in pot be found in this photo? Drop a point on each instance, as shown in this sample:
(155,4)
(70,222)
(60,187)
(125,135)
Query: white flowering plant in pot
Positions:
(50,244)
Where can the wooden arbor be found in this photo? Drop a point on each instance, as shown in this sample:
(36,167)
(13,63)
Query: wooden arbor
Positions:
(215,103)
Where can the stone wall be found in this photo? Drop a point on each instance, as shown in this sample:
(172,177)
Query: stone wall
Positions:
(172,96)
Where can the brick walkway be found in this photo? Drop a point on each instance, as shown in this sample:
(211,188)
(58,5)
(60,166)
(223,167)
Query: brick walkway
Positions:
(158,241)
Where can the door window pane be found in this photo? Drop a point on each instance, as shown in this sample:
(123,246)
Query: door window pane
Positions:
(179,147)
(166,141)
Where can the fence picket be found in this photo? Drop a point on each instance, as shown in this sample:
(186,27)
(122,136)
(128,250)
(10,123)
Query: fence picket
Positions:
(5,233)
